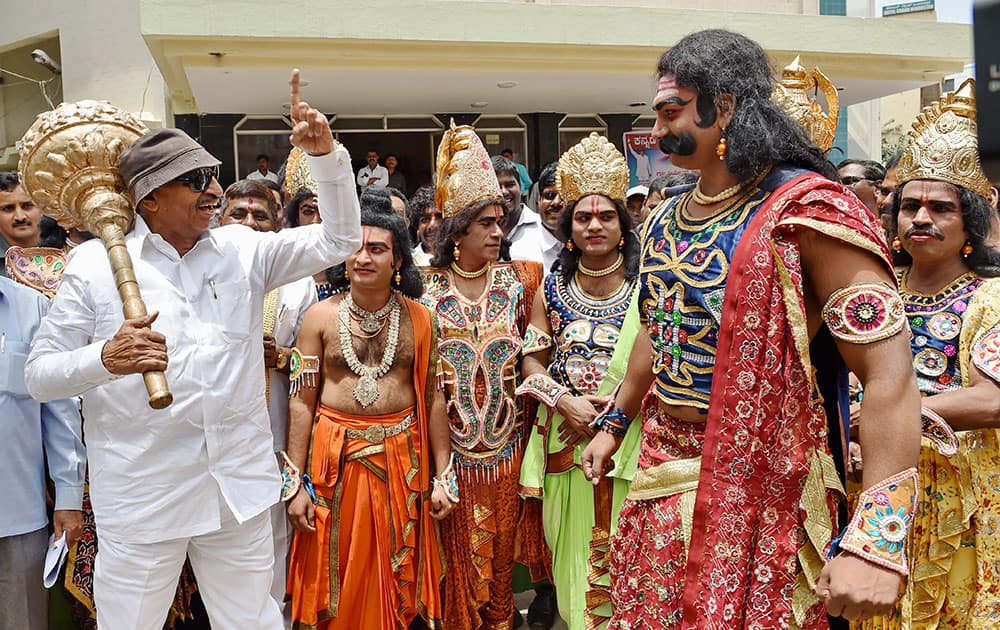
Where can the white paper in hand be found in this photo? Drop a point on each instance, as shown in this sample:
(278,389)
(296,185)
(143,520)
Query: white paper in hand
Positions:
(54,559)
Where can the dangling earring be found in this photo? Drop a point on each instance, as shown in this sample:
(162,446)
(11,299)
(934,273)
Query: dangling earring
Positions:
(397,278)
(621,242)
(967,249)
(569,244)
(456,253)
(347,273)
(721,148)
(897,245)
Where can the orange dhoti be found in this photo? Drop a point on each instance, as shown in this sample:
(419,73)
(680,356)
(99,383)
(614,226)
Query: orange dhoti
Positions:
(374,559)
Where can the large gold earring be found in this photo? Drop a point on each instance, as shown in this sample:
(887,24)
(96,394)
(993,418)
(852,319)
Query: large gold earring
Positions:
(569,244)
(456,253)
(621,243)
(897,245)
(967,249)
(721,148)
(397,278)
(347,274)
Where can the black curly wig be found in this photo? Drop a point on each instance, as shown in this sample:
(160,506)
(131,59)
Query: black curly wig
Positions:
(717,62)
(376,211)
(569,261)
(977,218)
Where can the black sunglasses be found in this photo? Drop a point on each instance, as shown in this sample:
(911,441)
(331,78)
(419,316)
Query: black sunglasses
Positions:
(852,180)
(200,178)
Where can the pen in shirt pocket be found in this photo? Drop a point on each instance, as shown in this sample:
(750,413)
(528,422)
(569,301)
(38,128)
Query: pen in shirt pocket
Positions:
(3,342)
(211,285)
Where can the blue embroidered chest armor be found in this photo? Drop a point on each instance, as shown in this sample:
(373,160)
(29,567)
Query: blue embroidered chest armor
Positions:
(584,330)
(685,263)
(935,326)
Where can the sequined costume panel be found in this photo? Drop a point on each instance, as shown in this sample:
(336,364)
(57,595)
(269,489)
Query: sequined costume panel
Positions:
(479,348)
(935,324)
(584,330)
(685,263)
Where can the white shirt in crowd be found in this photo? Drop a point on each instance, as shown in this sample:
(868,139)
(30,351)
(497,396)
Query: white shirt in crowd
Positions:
(294,299)
(420,257)
(255,175)
(367,172)
(526,238)
(551,246)
(178,472)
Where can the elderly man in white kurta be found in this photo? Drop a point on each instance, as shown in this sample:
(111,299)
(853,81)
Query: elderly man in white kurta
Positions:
(197,478)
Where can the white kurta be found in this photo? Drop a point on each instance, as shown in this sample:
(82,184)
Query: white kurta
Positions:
(166,474)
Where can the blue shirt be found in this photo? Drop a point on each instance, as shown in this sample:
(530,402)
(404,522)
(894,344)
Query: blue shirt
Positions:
(29,428)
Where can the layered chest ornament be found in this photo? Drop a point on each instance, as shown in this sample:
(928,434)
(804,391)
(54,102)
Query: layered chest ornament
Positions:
(585,330)
(479,350)
(935,323)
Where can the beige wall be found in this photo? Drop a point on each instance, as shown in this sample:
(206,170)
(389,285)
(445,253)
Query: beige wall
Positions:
(21,100)
(102,53)
(801,7)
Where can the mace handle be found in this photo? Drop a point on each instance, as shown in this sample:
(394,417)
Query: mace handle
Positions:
(133,306)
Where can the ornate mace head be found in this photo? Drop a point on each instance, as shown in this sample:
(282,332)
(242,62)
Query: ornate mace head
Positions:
(69,164)
(792,95)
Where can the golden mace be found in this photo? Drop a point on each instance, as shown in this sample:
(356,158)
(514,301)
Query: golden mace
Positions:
(69,166)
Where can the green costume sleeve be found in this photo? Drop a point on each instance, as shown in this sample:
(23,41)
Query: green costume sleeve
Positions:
(627,457)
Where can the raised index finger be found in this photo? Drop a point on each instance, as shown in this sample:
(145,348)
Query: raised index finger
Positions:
(295,93)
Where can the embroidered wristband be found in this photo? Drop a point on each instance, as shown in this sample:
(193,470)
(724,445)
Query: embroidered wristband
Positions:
(291,478)
(448,480)
(543,388)
(535,340)
(878,530)
(937,430)
(302,371)
(864,313)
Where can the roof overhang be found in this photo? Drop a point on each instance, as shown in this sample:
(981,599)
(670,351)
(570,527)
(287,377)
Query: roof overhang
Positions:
(424,56)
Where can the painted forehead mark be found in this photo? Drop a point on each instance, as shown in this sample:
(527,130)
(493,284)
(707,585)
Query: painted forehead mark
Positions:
(366,232)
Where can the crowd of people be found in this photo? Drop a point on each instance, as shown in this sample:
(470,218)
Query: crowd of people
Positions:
(762,393)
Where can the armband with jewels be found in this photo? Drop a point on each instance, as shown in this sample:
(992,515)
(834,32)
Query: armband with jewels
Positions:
(614,422)
(881,522)
(302,371)
(291,478)
(542,388)
(535,340)
(864,313)
(448,480)
(937,430)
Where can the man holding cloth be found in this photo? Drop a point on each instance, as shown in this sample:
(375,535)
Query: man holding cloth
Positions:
(197,478)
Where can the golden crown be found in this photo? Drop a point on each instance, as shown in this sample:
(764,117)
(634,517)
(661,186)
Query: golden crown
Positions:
(942,143)
(593,166)
(464,172)
(792,95)
(297,173)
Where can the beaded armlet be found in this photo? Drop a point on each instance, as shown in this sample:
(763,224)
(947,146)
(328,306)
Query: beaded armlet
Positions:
(535,340)
(614,422)
(448,480)
(542,388)
(878,530)
(937,430)
(864,313)
(302,371)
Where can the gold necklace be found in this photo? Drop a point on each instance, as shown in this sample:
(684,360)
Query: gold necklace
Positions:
(470,275)
(372,322)
(702,199)
(600,273)
(366,391)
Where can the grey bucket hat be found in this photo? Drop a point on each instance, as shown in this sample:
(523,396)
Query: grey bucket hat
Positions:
(159,157)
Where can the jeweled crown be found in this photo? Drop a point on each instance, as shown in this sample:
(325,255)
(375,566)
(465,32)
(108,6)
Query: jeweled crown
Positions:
(464,172)
(297,173)
(592,166)
(942,143)
(791,94)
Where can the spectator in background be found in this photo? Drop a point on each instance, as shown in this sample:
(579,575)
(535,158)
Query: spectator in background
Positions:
(425,220)
(863,177)
(263,170)
(372,174)
(522,226)
(885,190)
(661,183)
(279,198)
(400,205)
(303,209)
(522,170)
(550,207)
(396,178)
(19,215)
(635,202)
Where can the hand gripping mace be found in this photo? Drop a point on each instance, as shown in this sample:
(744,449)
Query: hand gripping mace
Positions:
(69,166)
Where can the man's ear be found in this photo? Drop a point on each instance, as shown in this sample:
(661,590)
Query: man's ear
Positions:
(148,205)
(726,106)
